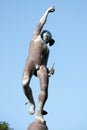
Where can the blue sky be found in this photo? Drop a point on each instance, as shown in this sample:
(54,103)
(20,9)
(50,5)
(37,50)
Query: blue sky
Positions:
(67,101)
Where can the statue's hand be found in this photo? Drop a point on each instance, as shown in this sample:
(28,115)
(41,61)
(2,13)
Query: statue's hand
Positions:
(51,9)
(51,70)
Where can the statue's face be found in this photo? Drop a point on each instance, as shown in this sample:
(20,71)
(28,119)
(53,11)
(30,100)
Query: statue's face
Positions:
(46,37)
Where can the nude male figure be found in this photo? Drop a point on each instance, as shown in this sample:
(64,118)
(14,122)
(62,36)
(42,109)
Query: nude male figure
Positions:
(36,64)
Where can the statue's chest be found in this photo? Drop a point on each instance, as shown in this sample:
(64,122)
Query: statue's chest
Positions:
(39,43)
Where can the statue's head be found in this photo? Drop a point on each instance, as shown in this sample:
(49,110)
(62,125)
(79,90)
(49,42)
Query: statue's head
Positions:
(47,37)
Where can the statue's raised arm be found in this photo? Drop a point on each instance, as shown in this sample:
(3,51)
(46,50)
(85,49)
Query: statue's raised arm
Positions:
(43,20)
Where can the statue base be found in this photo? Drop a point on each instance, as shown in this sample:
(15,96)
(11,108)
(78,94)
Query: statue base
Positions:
(36,125)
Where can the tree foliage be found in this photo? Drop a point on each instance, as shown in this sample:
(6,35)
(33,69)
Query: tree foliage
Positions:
(5,126)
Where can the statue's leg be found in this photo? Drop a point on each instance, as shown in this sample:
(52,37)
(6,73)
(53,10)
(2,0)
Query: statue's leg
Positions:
(28,91)
(43,76)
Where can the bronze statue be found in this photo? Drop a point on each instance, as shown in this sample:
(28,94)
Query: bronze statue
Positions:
(36,64)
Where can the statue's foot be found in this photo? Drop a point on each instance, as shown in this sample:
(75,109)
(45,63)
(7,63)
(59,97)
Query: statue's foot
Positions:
(39,118)
(32,109)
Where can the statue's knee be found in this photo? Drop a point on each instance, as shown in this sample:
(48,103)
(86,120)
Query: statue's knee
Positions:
(44,82)
(25,80)
(44,87)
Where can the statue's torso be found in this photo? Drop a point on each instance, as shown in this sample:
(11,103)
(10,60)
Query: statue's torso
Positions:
(38,51)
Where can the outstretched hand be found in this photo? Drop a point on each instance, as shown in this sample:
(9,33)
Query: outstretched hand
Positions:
(51,9)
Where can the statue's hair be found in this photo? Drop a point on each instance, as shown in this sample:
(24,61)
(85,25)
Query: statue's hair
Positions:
(51,41)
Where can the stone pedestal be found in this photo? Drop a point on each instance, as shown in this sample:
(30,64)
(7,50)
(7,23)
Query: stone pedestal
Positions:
(37,126)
